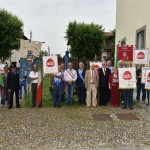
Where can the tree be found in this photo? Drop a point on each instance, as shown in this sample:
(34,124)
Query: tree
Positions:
(11,30)
(44,53)
(86,40)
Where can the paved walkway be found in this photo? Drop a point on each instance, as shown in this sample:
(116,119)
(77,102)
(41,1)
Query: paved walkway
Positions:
(72,128)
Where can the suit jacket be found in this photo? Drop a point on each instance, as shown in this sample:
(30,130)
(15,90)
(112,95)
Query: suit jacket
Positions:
(88,78)
(13,81)
(79,81)
(104,79)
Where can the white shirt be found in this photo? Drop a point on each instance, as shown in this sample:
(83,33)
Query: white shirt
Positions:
(71,75)
(33,75)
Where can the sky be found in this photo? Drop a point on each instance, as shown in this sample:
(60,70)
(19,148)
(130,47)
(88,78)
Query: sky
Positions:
(48,19)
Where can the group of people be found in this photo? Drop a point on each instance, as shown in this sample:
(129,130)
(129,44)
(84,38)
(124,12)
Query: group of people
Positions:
(94,86)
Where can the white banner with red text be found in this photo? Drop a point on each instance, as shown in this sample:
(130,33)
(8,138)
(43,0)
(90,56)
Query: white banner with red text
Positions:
(50,64)
(127,78)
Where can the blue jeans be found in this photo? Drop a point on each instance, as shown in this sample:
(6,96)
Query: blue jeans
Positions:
(69,93)
(24,85)
(140,87)
(57,94)
(127,97)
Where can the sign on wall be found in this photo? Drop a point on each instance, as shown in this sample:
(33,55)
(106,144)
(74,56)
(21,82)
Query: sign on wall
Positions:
(141,57)
(125,53)
(127,78)
(97,64)
(147,81)
(50,64)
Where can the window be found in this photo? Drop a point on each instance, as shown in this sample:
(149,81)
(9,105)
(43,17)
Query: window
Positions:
(141,38)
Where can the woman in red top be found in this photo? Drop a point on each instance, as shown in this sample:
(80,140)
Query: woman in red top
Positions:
(114,87)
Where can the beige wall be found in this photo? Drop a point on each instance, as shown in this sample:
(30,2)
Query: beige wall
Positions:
(130,16)
(25,46)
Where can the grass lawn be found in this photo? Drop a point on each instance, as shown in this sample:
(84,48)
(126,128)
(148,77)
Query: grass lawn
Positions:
(47,97)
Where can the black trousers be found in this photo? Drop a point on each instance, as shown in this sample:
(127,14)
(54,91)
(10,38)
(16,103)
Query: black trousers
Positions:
(16,91)
(104,95)
(34,90)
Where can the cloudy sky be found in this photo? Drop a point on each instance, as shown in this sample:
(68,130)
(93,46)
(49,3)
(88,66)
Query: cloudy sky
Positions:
(48,19)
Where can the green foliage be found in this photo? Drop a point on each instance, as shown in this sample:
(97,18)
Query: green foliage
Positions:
(85,40)
(11,30)
(44,53)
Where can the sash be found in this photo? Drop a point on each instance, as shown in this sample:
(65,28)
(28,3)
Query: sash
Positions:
(80,75)
(71,74)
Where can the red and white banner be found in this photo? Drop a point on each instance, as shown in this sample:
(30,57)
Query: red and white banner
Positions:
(50,64)
(141,57)
(143,79)
(97,64)
(125,53)
(147,81)
(127,78)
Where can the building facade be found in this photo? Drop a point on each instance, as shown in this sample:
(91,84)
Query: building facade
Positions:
(133,23)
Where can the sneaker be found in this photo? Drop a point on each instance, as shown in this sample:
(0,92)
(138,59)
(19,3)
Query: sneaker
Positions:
(2,106)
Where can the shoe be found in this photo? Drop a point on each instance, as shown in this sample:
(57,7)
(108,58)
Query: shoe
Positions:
(59,106)
(54,106)
(143,102)
(147,104)
(18,106)
(2,106)
(124,107)
(10,107)
(19,97)
(130,107)
(33,106)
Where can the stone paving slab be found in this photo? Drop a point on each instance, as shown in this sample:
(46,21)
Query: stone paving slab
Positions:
(71,128)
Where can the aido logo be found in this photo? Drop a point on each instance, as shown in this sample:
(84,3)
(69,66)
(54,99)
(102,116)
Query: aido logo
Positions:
(96,66)
(127,75)
(50,63)
(148,77)
(140,55)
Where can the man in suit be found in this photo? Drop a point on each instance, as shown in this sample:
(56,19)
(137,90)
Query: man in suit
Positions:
(91,84)
(103,84)
(81,83)
(13,86)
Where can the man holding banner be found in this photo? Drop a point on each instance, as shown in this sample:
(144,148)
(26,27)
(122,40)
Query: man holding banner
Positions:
(34,80)
(70,76)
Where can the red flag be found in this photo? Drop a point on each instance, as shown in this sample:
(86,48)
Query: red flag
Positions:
(125,53)
(39,89)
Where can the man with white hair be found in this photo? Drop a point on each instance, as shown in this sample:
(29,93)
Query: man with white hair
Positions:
(103,84)
(81,83)
(91,84)
(109,65)
(70,76)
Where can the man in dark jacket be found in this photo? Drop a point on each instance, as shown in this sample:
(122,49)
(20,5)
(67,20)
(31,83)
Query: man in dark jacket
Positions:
(80,83)
(103,84)
(13,86)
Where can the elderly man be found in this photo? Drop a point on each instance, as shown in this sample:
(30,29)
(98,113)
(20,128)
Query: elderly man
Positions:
(81,83)
(91,84)
(109,65)
(70,76)
(34,82)
(103,84)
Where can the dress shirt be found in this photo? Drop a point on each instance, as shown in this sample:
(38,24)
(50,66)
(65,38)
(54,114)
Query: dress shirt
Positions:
(34,75)
(57,80)
(92,79)
(68,77)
